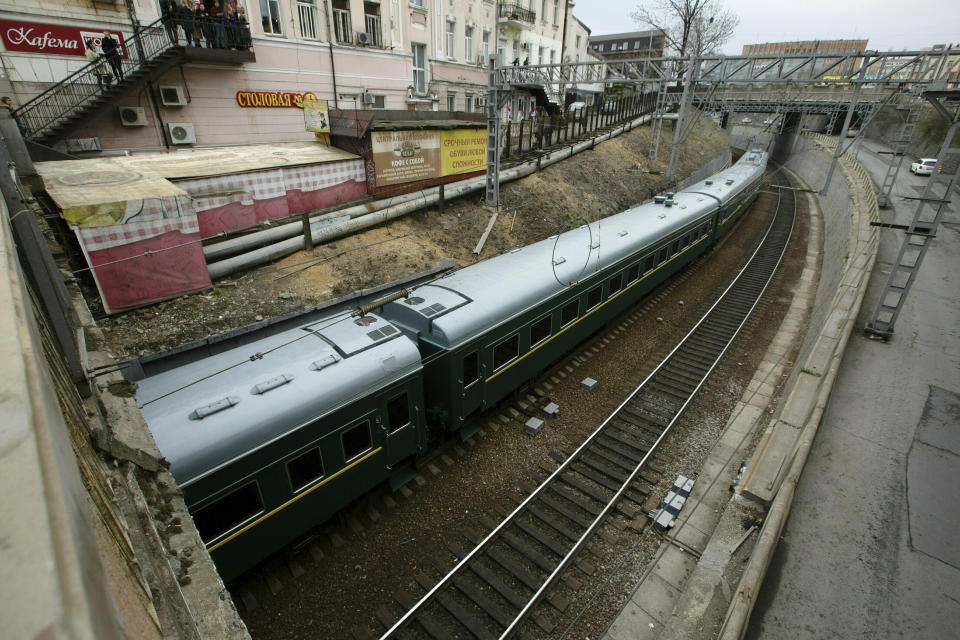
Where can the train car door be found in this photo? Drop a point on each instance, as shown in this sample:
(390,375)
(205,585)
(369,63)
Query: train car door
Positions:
(399,426)
(470,383)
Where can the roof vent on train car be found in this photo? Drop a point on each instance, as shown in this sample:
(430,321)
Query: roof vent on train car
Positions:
(365,321)
(271,384)
(659,199)
(670,195)
(668,202)
(729,182)
(413,300)
(709,182)
(622,232)
(559,260)
(433,309)
(380,334)
(595,244)
(209,409)
(326,361)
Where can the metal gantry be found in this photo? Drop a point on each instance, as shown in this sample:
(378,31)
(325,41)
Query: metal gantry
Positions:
(923,227)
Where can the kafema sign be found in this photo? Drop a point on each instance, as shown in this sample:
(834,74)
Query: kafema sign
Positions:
(268,99)
(36,37)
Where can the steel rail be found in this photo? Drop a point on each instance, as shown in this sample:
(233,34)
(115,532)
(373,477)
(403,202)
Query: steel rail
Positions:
(481,546)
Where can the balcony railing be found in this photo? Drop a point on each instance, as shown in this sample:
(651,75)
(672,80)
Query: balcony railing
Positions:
(513,11)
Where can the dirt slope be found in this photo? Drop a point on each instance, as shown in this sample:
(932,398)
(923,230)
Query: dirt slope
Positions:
(591,185)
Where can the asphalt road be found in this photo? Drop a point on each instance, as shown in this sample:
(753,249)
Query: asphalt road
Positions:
(872,546)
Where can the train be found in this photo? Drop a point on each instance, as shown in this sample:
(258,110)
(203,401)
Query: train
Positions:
(271,438)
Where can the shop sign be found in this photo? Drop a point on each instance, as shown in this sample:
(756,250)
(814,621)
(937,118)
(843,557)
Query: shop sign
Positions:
(405,156)
(36,37)
(463,151)
(271,99)
(409,156)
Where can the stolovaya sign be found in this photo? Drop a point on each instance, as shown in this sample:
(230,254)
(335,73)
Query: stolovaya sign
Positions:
(273,99)
(36,37)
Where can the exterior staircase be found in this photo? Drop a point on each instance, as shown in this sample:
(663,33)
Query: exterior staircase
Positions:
(150,53)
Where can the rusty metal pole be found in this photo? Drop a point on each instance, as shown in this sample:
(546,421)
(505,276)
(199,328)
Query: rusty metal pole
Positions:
(307,236)
(441,201)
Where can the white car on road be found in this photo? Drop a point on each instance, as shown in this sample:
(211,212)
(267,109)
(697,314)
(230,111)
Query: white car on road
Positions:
(923,166)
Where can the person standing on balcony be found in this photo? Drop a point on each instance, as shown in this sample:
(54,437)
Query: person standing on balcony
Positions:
(243,29)
(111,51)
(169,17)
(218,16)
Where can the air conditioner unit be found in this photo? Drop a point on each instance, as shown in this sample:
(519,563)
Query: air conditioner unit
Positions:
(133,116)
(367,98)
(362,38)
(480,60)
(182,132)
(173,96)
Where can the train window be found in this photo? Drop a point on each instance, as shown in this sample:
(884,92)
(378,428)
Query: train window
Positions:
(398,412)
(471,368)
(355,440)
(229,512)
(506,351)
(614,284)
(686,240)
(304,469)
(663,254)
(540,330)
(633,272)
(648,264)
(569,313)
(675,247)
(594,296)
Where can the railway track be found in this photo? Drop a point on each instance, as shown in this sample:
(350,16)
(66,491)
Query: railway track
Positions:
(494,589)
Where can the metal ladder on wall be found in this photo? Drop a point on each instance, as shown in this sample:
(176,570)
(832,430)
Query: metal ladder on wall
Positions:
(658,113)
(918,235)
(913,110)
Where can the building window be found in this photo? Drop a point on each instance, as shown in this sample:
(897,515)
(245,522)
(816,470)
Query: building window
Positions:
(417,3)
(569,313)
(594,296)
(380,102)
(486,46)
(636,45)
(468,44)
(451,44)
(578,43)
(305,469)
(307,14)
(540,51)
(355,440)
(543,11)
(553,55)
(270,16)
(371,22)
(343,30)
(468,102)
(451,102)
(506,351)
(398,412)
(419,68)
(229,512)
(540,330)
(471,369)
(556,13)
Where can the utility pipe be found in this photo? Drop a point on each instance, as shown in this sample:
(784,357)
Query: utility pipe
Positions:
(427,197)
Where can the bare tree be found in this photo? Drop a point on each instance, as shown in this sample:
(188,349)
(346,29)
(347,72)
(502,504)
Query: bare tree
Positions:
(680,19)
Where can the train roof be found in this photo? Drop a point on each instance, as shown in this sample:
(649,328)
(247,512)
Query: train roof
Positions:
(303,374)
(732,180)
(459,307)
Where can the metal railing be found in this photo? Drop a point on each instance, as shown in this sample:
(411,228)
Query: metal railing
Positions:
(84,86)
(512,11)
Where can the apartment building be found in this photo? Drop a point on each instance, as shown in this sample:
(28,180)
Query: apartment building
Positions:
(631,45)
(355,54)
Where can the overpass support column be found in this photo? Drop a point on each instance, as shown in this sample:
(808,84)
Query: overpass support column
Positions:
(846,122)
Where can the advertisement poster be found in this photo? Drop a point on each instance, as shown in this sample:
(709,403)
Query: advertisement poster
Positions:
(316,116)
(405,156)
(463,151)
